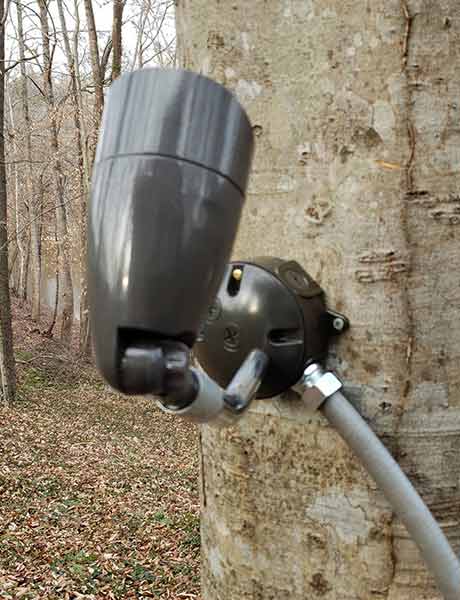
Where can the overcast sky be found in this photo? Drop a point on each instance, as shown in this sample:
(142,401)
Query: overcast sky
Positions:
(103,17)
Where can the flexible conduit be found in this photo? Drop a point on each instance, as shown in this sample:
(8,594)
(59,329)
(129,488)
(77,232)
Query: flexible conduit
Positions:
(399,491)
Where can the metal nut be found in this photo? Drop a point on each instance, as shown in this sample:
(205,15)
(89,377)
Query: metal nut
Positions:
(317,386)
(338,324)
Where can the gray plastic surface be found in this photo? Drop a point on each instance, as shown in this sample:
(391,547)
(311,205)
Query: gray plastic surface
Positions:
(161,228)
(208,404)
(262,306)
(179,114)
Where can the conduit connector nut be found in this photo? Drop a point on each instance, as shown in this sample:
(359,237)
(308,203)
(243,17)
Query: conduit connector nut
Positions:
(316,386)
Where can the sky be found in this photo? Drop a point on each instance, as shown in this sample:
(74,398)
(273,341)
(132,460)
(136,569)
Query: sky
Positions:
(103,16)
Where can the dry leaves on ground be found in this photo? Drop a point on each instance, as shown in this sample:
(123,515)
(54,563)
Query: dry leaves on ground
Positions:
(98,493)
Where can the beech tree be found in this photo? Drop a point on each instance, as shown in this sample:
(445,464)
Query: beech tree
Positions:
(355,110)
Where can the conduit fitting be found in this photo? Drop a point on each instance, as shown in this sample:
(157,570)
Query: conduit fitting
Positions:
(316,386)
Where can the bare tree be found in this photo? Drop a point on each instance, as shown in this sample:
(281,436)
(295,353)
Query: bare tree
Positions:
(30,200)
(77,105)
(154,42)
(18,198)
(7,367)
(98,66)
(118,6)
(97,72)
(55,114)
(83,160)
(66,285)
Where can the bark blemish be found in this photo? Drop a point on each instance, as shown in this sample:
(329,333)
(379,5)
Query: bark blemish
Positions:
(409,184)
(318,212)
(410,162)
(320,584)
(202,471)
(367,137)
(409,195)
(304,152)
(381,265)
(247,90)
(446,209)
(407,33)
(215,40)
(384,122)
(393,556)
(344,153)
(354,524)
(215,562)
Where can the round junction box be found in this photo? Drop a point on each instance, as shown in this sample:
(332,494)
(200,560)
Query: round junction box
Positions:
(269,304)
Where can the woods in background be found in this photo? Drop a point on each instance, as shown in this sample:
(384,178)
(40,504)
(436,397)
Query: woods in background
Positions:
(57,59)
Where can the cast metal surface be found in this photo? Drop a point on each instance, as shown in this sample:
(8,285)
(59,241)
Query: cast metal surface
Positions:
(210,403)
(246,381)
(316,386)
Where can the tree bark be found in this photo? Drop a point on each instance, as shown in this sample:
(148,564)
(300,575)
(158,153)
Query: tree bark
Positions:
(31,202)
(117,51)
(18,201)
(98,81)
(7,366)
(77,105)
(84,165)
(95,66)
(356,175)
(66,285)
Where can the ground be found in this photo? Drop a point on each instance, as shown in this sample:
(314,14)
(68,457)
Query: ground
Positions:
(98,493)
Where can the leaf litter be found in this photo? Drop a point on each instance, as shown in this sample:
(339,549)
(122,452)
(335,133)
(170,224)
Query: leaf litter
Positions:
(98,492)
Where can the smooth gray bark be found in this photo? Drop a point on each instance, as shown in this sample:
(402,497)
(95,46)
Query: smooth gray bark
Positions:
(355,109)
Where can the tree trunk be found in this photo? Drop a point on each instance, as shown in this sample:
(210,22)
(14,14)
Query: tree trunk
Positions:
(98,81)
(30,201)
(66,286)
(18,200)
(7,368)
(356,175)
(84,166)
(78,119)
(117,22)
(27,266)
(49,331)
(84,333)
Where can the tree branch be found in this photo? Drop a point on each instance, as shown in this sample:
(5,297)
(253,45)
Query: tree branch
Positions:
(105,58)
(18,62)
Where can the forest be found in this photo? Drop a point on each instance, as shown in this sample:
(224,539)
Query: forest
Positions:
(90,504)
(339,123)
